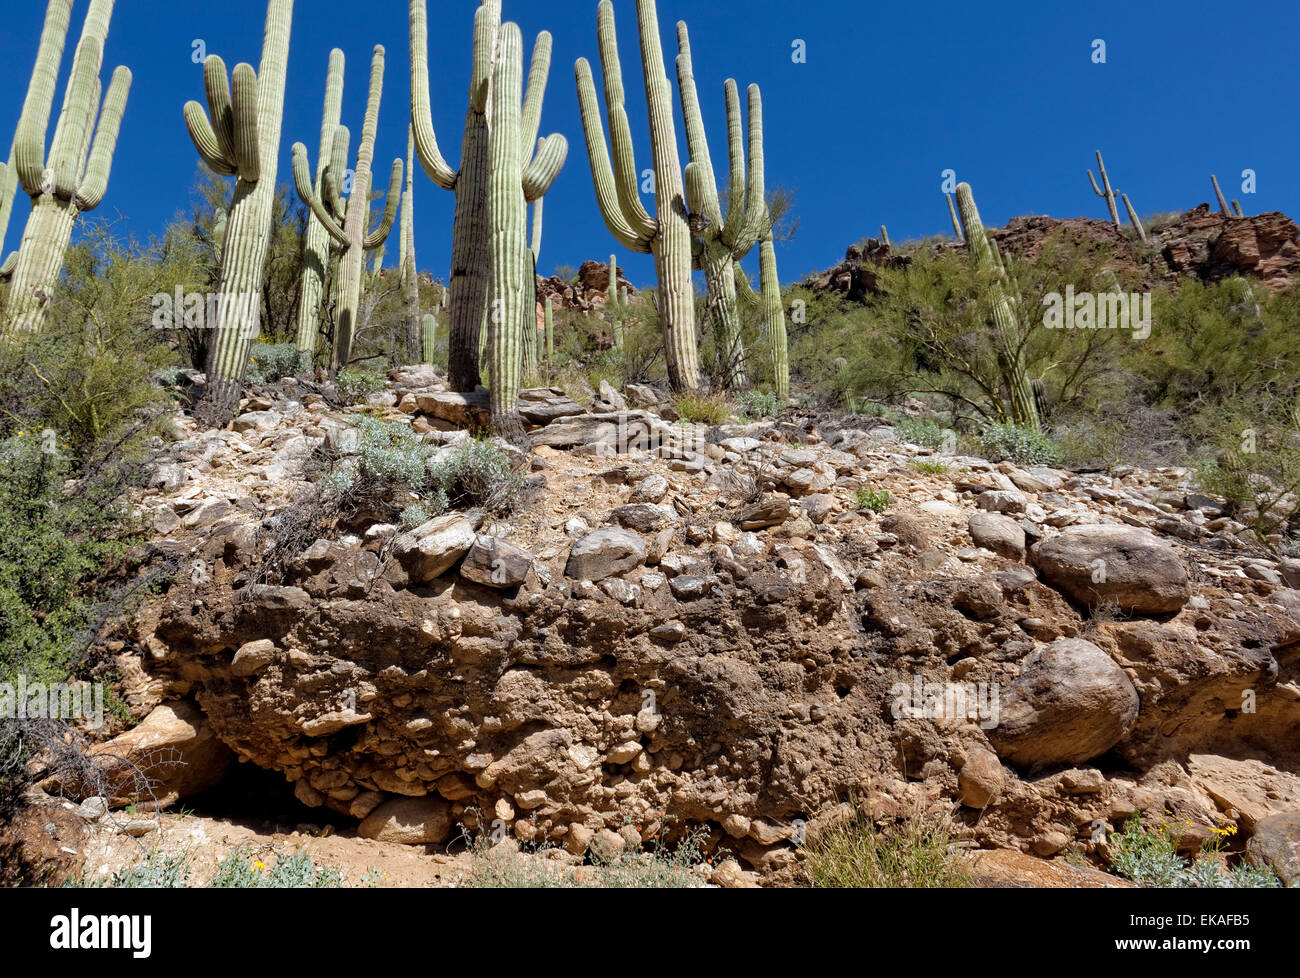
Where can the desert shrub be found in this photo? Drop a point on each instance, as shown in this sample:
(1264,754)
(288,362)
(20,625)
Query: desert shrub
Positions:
(758,404)
(712,409)
(920,431)
(1014,443)
(479,473)
(917,853)
(418,513)
(354,385)
(268,362)
(54,544)
(929,467)
(876,500)
(158,868)
(1149,857)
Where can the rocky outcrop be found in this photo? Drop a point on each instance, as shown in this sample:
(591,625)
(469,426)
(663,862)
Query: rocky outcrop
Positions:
(588,293)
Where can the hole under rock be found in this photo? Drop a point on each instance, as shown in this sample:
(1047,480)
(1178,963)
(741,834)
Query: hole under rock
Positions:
(249,793)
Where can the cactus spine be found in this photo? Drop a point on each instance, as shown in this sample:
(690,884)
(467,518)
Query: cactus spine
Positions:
(1022,407)
(1108,194)
(667,235)
(724,239)
(353,236)
(507,213)
(316,241)
(1133,219)
(246,113)
(471,271)
(74,176)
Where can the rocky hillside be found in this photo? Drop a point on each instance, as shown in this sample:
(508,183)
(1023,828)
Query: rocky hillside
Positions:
(1199,243)
(716,626)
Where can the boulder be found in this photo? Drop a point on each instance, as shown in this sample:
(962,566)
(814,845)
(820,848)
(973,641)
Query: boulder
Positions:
(432,549)
(1276,844)
(495,563)
(1121,565)
(769,511)
(542,405)
(410,821)
(981,779)
(1070,703)
(605,553)
(468,410)
(643,517)
(998,533)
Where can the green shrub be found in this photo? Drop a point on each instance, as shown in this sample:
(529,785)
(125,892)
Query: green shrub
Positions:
(238,870)
(711,409)
(929,467)
(479,473)
(1149,857)
(1012,443)
(268,362)
(920,431)
(758,404)
(353,386)
(876,500)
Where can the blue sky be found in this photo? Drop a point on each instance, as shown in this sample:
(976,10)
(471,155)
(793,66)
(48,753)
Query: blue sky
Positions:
(1004,93)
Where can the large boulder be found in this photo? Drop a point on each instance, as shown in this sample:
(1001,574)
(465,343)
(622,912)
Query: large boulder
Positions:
(998,533)
(605,553)
(1276,844)
(1070,703)
(432,549)
(1120,565)
(410,821)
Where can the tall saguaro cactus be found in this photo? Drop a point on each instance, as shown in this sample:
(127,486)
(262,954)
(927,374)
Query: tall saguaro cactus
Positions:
(1011,361)
(409,274)
(472,273)
(725,239)
(353,235)
(1108,194)
(773,313)
(316,241)
(242,138)
(74,176)
(667,235)
(511,316)
(8,186)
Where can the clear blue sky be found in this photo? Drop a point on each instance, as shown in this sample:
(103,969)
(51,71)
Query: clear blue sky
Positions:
(1004,93)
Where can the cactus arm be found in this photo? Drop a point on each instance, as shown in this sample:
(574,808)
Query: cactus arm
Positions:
(8,187)
(756,188)
(29,139)
(205,140)
(69,135)
(100,164)
(1223,204)
(1093,180)
(307,194)
(626,174)
(602,174)
(705,189)
(216,85)
(535,245)
(244,99)
(379,235)
(487,25)
(426,141)
(331,181)
(736,211)
(956,225)
(1133,218)
(538,72)
(541,173)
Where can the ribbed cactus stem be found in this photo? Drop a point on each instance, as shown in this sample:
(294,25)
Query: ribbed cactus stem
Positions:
(1223,204)
(429,337)
(316,240)
(956,225)
(884,235)
(471,269)
(247,116)
(1133,219)
(536,241)
(507,213)
(1023,409)
(549,319)
(1108,194)
(73,177)
(774,316)
(409,272)
(667,235)
(1236,207)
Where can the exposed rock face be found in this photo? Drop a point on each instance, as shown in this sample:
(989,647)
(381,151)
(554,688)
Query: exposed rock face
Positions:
(590,293)
(1200,243)
(1069,704)
(1276,844)
(1124,566)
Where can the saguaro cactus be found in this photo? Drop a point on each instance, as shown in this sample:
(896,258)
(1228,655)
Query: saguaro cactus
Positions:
(667,235)
(1108,194)
(773,314)
(429,336)
(1133,219)
(242,138)
(471,271)
(1223,204)
(724,239)
(74,176)
(316,241)
(549,319)
(956,225)
(353,236)
(510,314)
(1018,389)
(410,274)
(8,185)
